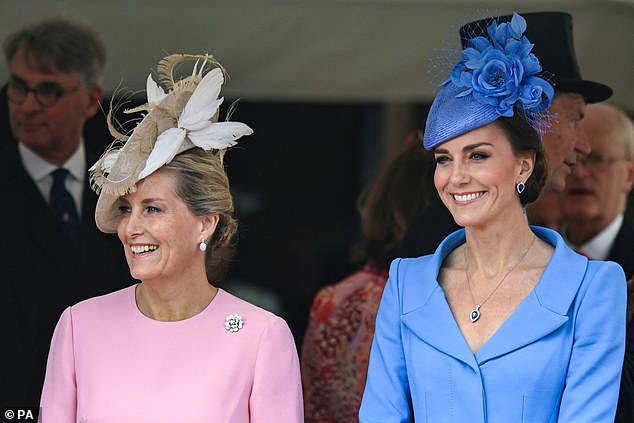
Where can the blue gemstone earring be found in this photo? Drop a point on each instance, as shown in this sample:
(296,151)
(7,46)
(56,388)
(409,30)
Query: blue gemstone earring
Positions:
(520,187)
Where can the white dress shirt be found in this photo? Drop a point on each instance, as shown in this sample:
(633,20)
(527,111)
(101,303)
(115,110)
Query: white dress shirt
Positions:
(40,171)
(599,246)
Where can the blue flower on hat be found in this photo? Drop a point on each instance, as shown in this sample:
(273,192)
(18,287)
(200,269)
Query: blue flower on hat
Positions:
(501,70)
(497,76)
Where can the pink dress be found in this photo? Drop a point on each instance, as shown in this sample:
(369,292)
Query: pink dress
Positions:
(110,363)
(337,345)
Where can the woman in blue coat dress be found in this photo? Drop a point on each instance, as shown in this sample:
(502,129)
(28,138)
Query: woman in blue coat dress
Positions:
(504,323)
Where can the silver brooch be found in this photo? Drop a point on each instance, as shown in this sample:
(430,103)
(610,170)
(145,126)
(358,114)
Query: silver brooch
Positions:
(234,322)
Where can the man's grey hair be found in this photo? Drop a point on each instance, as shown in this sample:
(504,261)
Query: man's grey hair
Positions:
(60,44)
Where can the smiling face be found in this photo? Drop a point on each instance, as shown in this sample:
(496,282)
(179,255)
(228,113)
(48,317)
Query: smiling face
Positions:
(565,139)
(54,132)
(160,235)
(476,176)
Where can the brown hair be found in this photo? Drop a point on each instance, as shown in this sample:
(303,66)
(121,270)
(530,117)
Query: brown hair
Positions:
(525,139)
(398,194)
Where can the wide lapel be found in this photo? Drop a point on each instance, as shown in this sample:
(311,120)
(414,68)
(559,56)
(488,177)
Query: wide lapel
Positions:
(545,309)
(426,312)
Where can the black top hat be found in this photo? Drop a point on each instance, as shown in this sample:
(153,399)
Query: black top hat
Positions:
(551,33)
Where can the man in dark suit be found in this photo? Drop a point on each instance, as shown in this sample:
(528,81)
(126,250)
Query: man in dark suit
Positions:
(52,253)
(593,207)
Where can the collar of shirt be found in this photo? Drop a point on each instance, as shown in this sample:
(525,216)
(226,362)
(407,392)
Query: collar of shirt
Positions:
(600,245)
(40,171)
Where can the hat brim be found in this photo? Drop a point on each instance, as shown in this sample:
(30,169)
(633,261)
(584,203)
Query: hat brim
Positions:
(593,92)
(106,216)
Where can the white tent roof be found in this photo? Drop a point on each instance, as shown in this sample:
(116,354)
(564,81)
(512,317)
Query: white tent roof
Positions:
(324,50)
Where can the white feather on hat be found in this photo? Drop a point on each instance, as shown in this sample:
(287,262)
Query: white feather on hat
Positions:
(183,117)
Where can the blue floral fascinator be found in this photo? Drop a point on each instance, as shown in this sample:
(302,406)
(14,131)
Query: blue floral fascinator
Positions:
(497,76)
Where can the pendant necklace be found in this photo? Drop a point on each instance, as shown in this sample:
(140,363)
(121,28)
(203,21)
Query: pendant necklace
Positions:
(474,315)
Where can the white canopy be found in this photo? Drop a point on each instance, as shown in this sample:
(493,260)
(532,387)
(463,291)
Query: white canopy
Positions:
(324,50)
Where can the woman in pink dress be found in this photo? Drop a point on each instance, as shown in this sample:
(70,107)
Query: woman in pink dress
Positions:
(173,348)
(337,343)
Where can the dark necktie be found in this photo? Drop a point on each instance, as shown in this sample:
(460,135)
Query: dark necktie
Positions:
(63,205)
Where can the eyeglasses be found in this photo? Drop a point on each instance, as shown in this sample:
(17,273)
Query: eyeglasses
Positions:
(598,160)
(46,93)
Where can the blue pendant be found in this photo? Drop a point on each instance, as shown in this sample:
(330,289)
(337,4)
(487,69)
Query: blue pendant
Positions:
(475,314)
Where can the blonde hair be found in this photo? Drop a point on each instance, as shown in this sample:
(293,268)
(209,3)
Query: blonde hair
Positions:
(202,183)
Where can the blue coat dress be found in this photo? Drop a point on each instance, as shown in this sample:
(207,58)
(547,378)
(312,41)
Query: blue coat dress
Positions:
(557,358)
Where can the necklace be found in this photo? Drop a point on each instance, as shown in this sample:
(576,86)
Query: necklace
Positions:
(474,314)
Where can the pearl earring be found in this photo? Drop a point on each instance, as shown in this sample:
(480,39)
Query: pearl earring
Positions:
(520,187)
(202,246)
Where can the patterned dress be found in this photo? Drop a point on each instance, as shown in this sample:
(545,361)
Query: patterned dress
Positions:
(337,346)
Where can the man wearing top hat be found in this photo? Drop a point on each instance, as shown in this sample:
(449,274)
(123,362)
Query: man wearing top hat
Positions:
(564,141)
(551,32)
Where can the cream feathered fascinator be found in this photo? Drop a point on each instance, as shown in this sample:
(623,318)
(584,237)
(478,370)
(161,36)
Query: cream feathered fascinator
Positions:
(179,115)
